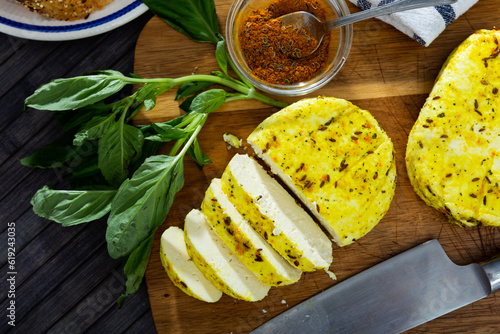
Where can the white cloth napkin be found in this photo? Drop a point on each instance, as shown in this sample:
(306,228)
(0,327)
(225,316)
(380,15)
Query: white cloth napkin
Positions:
(423,24)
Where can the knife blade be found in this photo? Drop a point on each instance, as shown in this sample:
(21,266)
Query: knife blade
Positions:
(398,294)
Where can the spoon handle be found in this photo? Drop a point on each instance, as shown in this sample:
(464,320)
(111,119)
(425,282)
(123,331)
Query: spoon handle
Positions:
(396,6)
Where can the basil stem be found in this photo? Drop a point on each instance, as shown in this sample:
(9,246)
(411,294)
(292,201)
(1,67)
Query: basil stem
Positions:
(247,89)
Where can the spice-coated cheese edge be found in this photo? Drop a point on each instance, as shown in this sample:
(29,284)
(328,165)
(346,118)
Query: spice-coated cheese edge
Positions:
(255,252)
(181,269)
(274,214)
(218,263)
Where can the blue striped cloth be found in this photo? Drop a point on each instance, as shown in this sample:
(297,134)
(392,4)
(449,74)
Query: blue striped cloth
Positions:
(423,24)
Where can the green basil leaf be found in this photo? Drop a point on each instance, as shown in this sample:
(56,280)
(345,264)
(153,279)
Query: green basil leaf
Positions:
(103,72)
(197,154)
(116,150)
(196,19)
(189,88)
(221,54)
(54,154)
(186,104)
(145,94)
(142,203)
(77,92)
(169,131)
(150,103)
(85,162)
(135,268)
(149,92)
(148,130)
(149,148)
(71,119)
(165,133)
(72,207)
(89,181)
(157,138)
(94,129)
(208,101)
(85,167)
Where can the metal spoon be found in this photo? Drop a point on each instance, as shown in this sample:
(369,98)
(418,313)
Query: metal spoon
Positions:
(315,28)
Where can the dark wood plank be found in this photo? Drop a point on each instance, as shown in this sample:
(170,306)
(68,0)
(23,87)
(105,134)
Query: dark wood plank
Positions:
(142,325)
(59,270)
(67,292)
(10,46)
(13,173)
(134,310)
(28,228)
(48,270)
(42,249)
(22,63)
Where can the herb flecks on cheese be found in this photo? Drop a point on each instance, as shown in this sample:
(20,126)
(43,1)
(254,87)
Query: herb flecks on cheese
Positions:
(453,152)
(181,269)
(255,252)
(218,263)
(274,214)
(336,158)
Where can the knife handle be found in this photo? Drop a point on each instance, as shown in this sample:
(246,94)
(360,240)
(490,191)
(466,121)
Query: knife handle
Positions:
(492,269)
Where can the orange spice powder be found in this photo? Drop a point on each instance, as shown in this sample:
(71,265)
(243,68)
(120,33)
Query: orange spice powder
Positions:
(273,52)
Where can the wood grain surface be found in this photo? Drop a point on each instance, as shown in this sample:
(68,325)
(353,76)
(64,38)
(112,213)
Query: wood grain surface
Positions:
(386,73)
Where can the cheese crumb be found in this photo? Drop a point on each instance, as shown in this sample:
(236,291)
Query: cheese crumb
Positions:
(331,274)
(232,140)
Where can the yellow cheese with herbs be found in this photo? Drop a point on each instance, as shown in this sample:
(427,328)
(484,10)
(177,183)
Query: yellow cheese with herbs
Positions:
(336,158)
(181,269)
(218,263)
(274,214)
(453,151)
(269,266)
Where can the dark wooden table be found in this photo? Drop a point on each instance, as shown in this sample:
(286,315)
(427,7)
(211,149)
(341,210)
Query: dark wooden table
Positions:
(65,281)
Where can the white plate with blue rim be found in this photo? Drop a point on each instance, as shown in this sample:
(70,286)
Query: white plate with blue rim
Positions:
(16,20)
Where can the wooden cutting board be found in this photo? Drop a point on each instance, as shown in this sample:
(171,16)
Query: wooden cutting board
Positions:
(386,73)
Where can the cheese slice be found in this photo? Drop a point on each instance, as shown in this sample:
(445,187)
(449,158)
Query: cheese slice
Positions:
(453,151)
(336,158)
(269,266)
(218,263)
(274,214)
(181,268)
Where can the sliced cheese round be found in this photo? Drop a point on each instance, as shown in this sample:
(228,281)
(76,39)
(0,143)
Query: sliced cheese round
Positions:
(269,266)
(181,268)
(453,151)
(336,158)
(218,263)
(275,215)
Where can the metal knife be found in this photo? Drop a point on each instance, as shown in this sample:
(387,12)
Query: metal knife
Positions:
(403,292)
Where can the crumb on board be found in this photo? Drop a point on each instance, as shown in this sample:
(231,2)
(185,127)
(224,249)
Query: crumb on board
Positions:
(232,140)
(331,274)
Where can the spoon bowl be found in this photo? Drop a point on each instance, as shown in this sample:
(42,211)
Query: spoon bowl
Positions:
(307,24)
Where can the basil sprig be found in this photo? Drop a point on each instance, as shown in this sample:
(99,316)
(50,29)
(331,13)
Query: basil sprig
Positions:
(196,19)
(112,163)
